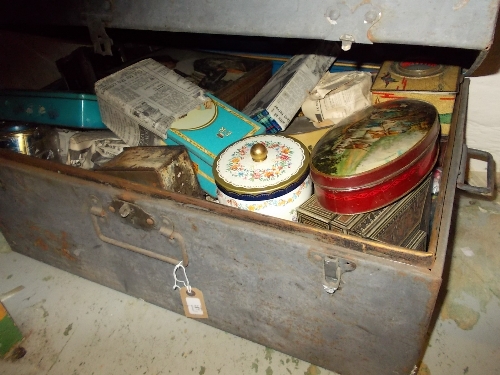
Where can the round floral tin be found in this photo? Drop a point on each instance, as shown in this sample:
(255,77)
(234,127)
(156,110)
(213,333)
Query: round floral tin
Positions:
(268,174)
(376,157)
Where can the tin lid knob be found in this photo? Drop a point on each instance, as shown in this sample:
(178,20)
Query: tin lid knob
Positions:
(258,152)
(261,165)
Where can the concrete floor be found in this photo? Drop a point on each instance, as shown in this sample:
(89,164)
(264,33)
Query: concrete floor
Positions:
(73,326)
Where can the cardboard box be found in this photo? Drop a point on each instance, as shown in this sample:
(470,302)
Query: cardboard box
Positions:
(391,224)
(280,99)
(433,83)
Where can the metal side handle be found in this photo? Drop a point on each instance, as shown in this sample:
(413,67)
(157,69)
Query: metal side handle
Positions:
(471,153)
(172,235)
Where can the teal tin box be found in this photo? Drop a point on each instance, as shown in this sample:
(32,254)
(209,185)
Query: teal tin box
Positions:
(206,131)
(52,108)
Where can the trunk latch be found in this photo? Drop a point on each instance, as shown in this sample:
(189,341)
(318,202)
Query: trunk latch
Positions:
(334,267)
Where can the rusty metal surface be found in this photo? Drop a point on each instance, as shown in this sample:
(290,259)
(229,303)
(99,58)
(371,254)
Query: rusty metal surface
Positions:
(166,167)
(438,241)
(471,153)
(259,282)
(391,252)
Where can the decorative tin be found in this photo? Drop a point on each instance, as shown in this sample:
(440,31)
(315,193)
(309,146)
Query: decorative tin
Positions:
(268,174)
(366,164)
(52,108)
(168,168)
(434,83)
(392,224)
(417,240)
(29,139)
(206,131)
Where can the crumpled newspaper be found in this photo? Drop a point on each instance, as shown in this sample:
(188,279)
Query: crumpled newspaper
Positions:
(336,96)
(93,148)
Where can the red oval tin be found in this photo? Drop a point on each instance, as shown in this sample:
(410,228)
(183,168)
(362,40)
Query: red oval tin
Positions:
(376,156)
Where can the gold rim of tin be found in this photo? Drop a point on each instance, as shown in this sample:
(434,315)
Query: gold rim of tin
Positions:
(21,138)
(267,189)
(418,70)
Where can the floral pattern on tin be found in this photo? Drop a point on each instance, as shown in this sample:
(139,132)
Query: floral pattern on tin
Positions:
(275,202)
(281,164)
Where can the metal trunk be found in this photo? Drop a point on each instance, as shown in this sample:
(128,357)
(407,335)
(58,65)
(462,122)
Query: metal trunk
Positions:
(344,303)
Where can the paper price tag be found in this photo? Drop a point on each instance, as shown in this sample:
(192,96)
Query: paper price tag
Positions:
(194,303)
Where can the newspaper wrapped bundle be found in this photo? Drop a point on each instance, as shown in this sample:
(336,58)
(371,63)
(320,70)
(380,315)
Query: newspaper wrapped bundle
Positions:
(145,98)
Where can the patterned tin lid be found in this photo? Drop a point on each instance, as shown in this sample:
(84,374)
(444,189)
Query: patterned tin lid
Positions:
(261,164)
(381,141)
(416,69)
(417,77)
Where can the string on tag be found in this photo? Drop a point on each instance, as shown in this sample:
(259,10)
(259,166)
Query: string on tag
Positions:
(186,283)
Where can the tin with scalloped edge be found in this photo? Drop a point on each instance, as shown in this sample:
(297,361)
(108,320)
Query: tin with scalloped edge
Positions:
(268,174)
(377,158)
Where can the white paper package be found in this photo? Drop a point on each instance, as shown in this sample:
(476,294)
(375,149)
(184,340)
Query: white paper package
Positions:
(336,96)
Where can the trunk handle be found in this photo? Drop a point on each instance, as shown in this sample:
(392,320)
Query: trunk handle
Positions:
(165,230)
(473,153)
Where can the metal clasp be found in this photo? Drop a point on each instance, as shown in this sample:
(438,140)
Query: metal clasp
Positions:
(333,268)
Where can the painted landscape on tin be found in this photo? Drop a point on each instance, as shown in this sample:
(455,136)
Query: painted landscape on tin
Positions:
(388,131)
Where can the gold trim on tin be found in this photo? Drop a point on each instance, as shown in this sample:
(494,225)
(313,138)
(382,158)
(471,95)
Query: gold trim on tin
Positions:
(255,128)
(203,174)
(194,144)
(268,189)
(216,112)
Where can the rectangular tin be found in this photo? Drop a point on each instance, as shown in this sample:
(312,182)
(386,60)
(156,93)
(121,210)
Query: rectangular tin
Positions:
(417,240)
(439,89)
(168,168)
(391,224)
(52,108)
(204,141)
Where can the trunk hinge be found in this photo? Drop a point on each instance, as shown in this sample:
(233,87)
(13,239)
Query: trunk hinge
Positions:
(97,14)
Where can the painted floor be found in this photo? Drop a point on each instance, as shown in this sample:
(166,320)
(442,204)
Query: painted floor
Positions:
(75,327)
